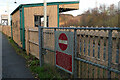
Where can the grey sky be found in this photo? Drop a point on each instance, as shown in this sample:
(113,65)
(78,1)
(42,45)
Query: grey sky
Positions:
(9,6)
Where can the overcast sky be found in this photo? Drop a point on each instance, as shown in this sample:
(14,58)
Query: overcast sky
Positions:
(7,6)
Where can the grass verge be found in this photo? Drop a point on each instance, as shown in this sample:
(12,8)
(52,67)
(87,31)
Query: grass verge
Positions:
(32,62)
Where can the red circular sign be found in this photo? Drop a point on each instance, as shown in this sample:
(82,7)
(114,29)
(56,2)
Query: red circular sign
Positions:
(63,41)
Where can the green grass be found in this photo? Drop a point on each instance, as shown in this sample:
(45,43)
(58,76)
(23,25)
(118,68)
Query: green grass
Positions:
(46,71)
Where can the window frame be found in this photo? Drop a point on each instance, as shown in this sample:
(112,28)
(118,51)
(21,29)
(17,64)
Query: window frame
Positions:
(39,20)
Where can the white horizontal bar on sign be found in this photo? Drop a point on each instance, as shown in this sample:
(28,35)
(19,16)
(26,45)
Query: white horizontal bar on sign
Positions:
(63,41)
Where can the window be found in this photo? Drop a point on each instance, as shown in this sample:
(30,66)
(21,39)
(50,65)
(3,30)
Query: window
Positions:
(39,20)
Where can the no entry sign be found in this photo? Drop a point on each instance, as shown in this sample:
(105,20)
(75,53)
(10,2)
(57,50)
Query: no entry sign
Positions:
(64,50)
(63,41)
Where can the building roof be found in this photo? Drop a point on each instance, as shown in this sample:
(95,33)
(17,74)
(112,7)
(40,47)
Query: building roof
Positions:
(4,16)
(49,3)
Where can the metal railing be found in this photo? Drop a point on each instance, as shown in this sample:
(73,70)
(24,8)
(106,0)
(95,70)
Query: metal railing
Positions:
(76,52)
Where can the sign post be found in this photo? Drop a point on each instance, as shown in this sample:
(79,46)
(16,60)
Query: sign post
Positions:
(64,50)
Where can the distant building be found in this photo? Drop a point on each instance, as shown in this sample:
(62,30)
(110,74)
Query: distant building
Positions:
(4,19)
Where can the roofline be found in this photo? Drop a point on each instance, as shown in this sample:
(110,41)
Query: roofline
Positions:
(20,6)
(41,4)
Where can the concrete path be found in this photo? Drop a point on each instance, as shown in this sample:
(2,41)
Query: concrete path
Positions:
(13,65)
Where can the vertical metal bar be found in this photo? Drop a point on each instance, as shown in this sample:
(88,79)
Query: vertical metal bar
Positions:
(55,47)
(75,53)
(58,15)
(40,30)
(109,52)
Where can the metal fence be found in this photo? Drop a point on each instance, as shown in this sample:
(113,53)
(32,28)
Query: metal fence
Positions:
(96,50)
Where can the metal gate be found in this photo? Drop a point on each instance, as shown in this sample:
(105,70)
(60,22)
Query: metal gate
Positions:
(96,50)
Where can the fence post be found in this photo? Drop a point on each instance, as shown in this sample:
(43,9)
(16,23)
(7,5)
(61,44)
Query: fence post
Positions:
(11,28)
(11,32)
(75,53)
(27,41)
(40,30)
(109,52)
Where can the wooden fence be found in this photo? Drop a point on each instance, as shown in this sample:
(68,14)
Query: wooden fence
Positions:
(92,46)
(1,28)
(6,30)
(32,44)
